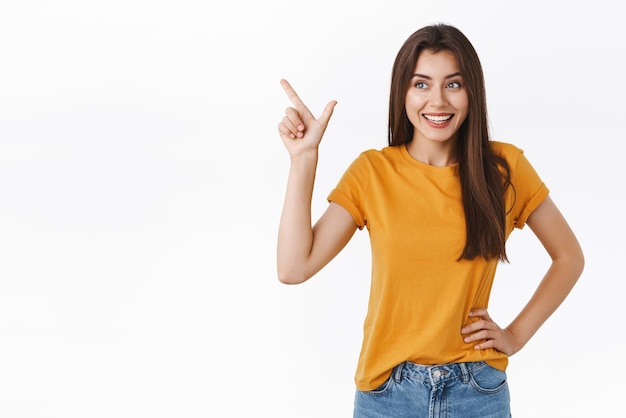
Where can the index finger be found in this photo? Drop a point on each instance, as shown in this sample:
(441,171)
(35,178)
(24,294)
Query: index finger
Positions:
(293,96)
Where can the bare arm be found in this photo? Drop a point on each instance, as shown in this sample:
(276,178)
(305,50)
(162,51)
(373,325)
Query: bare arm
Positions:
(555,235)
(302,249)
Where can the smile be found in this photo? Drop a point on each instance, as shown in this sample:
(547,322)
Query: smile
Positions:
(438,119)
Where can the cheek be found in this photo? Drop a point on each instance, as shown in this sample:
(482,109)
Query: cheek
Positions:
(462,107)
(413,104)
(463,117)
(412,111)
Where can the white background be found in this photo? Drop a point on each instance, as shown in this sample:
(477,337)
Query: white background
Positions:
(141,183)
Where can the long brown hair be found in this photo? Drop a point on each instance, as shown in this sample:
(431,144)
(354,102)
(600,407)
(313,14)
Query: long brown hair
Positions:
(484,175)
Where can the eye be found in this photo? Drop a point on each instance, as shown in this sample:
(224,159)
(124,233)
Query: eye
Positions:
(421,85)
(454,85)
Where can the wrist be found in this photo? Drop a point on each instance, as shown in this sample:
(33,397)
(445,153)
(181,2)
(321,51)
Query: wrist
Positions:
(305,156)
(517,341)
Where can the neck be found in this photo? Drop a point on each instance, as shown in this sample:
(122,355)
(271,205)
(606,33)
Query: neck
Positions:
(435,154)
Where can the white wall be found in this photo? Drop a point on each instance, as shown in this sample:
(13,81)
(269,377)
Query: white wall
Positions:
(141,182)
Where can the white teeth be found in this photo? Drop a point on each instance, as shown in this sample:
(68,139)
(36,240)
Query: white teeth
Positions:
(438,119)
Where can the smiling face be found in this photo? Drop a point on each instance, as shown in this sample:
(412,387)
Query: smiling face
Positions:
(436,102)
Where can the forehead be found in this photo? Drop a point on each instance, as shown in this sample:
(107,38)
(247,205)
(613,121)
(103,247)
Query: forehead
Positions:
(429,61)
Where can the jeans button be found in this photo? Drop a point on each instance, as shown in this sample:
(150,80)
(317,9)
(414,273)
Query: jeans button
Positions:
(437,374)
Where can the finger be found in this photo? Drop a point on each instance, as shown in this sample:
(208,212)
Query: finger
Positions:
(481,324)
(486,344)
(295,99)
(478,336)
(472,328)
(480,312)
(289,125)
(285,132)
(294,132)
(327,113)
(294,119)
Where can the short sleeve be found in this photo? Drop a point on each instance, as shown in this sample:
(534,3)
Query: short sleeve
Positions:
(351,191)
(528,189)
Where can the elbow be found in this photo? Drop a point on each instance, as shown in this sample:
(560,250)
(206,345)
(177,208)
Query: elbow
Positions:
(292,270)
(575,263)
(578,260)
(285,276)
(580,263)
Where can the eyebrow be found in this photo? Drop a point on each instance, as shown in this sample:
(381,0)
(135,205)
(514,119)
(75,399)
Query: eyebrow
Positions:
(457,74)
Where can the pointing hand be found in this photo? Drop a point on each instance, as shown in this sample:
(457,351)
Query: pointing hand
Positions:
(299,129)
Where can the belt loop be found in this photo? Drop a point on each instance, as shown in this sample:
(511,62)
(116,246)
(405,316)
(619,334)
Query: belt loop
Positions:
(464,373)
(397,372)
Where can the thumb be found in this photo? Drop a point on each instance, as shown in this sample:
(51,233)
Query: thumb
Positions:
(327,113)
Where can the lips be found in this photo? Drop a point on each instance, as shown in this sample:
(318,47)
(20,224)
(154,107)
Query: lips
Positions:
(438,119)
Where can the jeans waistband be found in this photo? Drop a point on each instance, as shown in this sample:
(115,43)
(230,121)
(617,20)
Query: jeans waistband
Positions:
(435,373)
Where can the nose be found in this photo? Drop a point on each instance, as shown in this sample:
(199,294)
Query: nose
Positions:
(438,97)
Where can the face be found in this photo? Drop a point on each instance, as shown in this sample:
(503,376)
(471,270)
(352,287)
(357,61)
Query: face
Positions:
(436,101)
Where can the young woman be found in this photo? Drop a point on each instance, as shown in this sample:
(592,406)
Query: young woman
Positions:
(439,203)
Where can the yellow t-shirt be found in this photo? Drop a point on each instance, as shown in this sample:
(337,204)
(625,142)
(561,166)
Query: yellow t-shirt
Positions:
(420,294)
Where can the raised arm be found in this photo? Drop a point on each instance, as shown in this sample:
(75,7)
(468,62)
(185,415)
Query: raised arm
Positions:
(555,235)
(302,249)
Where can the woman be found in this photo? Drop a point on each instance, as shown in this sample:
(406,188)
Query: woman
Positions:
(439,203)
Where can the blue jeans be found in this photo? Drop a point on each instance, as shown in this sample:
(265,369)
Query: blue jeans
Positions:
(459,390)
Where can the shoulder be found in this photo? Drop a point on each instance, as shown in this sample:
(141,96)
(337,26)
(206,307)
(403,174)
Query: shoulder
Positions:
(504,148)
(377,161)
(521,170)
(377,156)
(509,152)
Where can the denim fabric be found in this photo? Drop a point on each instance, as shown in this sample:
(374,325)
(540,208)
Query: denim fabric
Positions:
(459,390)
